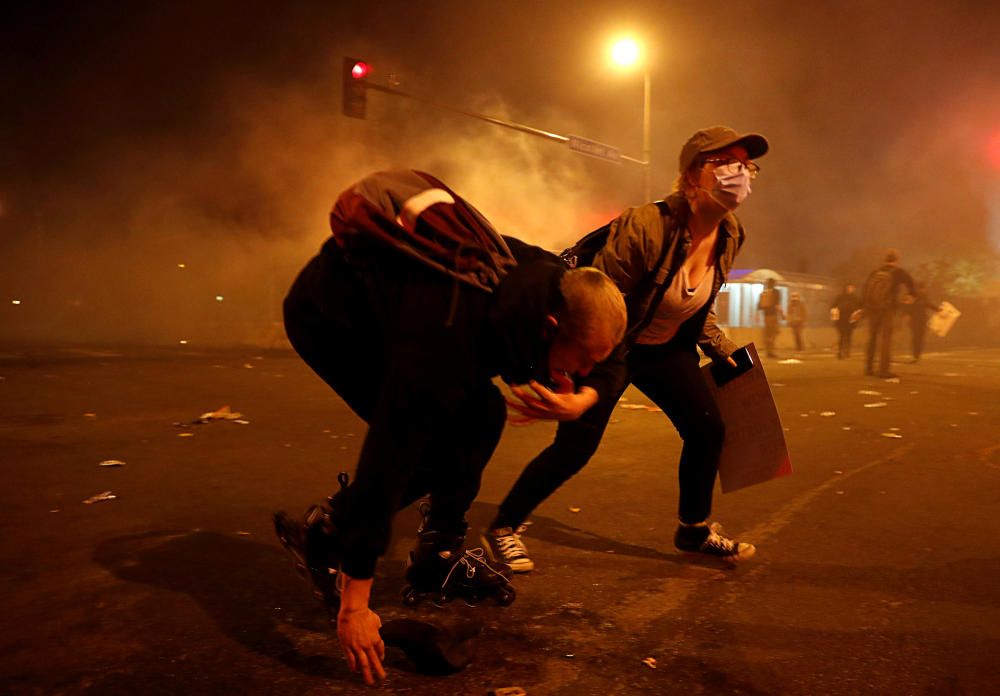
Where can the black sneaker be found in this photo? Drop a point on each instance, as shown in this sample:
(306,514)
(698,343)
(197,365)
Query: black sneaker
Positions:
(711,540)
(504,545)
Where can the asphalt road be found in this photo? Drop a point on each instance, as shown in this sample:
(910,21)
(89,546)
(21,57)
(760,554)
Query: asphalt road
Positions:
(878,565)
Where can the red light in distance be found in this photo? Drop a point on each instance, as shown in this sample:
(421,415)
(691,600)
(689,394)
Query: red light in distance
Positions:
(993,149)
(360,70)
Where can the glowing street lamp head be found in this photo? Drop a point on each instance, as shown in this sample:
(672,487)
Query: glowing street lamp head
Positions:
(625,52)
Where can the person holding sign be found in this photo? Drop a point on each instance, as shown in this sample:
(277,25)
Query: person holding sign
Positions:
(669,258)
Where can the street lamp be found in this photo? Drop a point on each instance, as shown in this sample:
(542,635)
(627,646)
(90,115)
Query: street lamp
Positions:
(626,53)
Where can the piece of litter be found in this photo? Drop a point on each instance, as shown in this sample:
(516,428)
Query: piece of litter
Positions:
(615,420)
(222,413)
(650,662)
(869,392)
(846,427)
(112,462)
(56,510)
(574,509)
(632,407)
(654,409)
(243,533)
(790,361)
(248,366)
(570,655)
(892,380)
(894,436)
(838,471)
(622,399)
(508,691)
(894,429)
(185,434)
(876,404)
(840,492)
(827,414)
(106,495)
(241,421)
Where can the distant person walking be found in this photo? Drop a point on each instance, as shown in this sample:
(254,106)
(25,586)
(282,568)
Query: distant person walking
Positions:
(770,305)
(797,316)
(917,314)
(842,312)
(879,301)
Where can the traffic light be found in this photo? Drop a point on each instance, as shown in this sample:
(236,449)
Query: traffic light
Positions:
(355,83)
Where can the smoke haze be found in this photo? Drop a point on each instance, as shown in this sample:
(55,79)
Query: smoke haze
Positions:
(207,135)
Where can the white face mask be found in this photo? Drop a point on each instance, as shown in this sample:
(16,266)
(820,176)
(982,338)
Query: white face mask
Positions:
(732,186)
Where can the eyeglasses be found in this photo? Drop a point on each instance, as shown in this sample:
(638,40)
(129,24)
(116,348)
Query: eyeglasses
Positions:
(735,165)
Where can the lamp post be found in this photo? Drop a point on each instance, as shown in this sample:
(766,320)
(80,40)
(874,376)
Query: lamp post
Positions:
(627,53)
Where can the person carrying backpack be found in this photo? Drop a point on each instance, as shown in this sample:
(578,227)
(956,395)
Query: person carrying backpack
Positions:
(409,310)
(879,300)
(669,258)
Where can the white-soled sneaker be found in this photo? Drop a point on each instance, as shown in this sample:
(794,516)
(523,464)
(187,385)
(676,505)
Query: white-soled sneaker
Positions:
(710,539)
(504,545)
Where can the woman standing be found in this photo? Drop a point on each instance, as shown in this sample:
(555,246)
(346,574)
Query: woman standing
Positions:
(669,258)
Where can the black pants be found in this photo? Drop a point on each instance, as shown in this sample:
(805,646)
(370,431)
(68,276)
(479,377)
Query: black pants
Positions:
(669,375)
(338,317)
(880,325)
(844,331)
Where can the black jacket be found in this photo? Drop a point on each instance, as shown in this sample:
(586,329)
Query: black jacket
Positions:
(441,342)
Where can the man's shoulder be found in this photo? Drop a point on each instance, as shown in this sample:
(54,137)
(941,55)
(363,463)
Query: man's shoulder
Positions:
(525,252)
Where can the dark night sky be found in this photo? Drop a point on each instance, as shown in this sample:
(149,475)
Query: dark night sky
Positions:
(136,132)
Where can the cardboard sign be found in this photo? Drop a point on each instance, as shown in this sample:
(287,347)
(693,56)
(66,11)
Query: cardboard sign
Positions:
(754,449)
(941,321)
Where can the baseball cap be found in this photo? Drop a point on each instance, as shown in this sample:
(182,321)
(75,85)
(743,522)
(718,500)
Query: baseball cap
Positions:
(718,137)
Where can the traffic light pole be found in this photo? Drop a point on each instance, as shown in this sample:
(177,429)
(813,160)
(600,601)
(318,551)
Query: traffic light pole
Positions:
(538,132)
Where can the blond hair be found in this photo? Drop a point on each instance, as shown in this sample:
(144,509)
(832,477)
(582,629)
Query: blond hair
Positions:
(595,308)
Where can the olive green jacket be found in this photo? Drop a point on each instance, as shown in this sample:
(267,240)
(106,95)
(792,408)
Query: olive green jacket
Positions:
(639,238)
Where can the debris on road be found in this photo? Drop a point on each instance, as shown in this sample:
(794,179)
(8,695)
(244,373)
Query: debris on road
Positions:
(650,662)
(112,462)
(185,434)
(894,436)
(827,414)
(100,497)
(892,380)
(846,427)
(634,407)
(876,404)
(573,508)
(222,413)
(869,392)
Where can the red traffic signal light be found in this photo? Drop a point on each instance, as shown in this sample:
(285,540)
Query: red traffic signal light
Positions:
(359,70)
(354,78)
